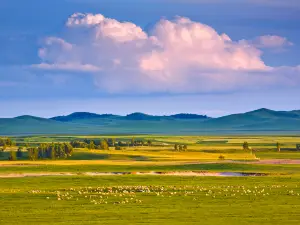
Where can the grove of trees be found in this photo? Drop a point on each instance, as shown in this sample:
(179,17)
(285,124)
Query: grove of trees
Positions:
(180,147)
(104,144)
(91,144)
(50,151)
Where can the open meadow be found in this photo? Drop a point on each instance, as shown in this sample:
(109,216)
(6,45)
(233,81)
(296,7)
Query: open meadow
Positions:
(213,180)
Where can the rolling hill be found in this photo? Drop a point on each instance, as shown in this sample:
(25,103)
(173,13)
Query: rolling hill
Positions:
(77,116)
(255,122)
(261,119)
(84,116)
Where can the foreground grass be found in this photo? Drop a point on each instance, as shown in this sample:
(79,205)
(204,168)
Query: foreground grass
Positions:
(150,200)
(138,199)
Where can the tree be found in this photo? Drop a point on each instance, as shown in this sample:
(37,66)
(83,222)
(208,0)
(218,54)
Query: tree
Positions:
(12,156)
(60,152)
(9,142)
(19,153)
(91,145)
(176,147)
(278,146)
(149,143)
(104,145)
(68,149)
(6,141)
(132,141)
(78,144)
(32,154)
(180,148)
(52,153)
(111,142)
(246,146)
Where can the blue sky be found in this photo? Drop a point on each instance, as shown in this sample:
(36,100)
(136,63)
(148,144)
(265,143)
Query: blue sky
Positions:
(40,75)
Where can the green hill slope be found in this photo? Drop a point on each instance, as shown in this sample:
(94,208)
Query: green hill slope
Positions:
(31,125)
(258,121)
(262,119)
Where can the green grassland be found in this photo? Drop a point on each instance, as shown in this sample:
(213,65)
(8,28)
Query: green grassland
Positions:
(273,198)
(150,200)
(199,147)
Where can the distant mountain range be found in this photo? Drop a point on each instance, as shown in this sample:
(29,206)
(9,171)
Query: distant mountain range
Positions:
(134,116)
(261,121)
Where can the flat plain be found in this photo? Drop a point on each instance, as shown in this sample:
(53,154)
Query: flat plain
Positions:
(263,188)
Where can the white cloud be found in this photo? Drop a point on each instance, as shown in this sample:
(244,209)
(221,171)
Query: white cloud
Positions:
(177,56)
(105,27)
(68,67)
(271,41)
(270,3)
(80,19)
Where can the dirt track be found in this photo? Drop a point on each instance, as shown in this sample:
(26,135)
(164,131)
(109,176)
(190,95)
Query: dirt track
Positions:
(264,161)
(276,161)
(183,174)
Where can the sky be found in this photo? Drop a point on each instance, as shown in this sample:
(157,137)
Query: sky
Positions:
(213,57)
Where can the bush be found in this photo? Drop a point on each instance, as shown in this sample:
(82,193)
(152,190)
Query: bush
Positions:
(118,148)
(246,146)
(221,157)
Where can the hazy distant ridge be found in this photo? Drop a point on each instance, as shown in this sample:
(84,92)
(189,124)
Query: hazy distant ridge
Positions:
(257,121)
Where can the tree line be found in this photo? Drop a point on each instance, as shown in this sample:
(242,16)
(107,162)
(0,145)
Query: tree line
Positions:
(44,151)
(104,144)
(278,146)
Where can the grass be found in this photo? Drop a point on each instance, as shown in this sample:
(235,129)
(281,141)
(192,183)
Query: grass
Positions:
(140,199)
(151,200)
(147,167)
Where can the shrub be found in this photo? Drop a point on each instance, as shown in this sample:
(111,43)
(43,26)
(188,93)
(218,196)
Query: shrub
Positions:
(118,148)
(221,157)
(246,146)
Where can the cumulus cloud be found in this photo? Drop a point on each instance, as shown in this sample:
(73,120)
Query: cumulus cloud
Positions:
(107,28)
(177,56)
